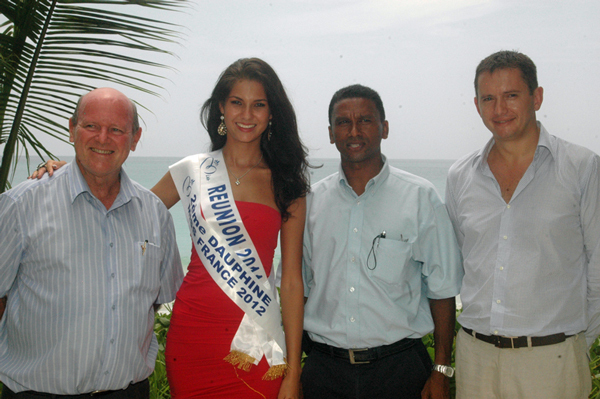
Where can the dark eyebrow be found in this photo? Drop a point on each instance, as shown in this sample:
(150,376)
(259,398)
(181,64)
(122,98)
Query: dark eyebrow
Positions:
(241,99)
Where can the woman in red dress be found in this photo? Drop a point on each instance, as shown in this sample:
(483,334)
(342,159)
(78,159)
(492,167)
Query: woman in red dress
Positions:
(266,164)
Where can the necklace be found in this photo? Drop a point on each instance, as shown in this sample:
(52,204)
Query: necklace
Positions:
(237,179)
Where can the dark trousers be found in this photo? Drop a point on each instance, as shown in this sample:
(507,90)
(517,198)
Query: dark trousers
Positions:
(401,375)
(140,390)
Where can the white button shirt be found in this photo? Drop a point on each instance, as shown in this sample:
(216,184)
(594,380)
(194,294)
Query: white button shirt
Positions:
(532,266)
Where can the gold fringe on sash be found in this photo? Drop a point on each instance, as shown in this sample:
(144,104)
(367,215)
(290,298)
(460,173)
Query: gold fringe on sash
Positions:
(275,372)
(244,361)
(240,359)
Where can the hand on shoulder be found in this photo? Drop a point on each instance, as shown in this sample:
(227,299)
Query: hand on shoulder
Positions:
(47,167)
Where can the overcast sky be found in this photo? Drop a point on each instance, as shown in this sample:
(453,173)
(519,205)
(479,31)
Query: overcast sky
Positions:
(419,55)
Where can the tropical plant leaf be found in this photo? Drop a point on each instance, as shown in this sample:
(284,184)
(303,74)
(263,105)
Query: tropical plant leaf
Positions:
(53,51)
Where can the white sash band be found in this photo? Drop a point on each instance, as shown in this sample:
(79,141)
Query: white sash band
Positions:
(226,250)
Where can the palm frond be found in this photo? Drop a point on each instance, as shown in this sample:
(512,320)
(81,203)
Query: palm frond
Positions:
(53,51)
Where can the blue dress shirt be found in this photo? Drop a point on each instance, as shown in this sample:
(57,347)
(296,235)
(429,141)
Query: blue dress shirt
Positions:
(81,284)
(351,306)
(532,266)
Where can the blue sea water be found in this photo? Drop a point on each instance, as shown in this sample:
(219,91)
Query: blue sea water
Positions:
(148,170)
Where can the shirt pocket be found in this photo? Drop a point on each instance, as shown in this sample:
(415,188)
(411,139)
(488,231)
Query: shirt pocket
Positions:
(393,261)
(147,265)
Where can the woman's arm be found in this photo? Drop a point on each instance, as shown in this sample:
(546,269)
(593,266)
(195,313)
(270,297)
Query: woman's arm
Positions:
(292,295)
(165,190)
(49,166)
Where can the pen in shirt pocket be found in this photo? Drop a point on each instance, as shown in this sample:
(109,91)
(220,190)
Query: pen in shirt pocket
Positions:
(144,247)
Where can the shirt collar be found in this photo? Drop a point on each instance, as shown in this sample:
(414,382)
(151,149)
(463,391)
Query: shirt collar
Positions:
(374,182)
(78,185)
(544,141)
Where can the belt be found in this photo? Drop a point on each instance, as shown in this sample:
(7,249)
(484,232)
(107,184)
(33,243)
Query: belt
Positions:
(30,394)
(518,342)
(365,355)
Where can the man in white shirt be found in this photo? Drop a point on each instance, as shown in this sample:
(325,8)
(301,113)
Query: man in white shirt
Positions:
(526,211)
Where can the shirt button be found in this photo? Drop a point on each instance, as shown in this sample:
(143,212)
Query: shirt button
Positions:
(352,259)
(112,275)
(112,341)
(505,237)
(501,267)
(495,332)
(111,244)
(351,289)
(357,202)
(498,301)
(352,319)
(114,307)
(355,230)
(508,206)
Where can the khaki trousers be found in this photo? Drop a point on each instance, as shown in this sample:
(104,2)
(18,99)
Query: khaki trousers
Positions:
(559,371)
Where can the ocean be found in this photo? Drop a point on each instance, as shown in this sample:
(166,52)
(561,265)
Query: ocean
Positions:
(148,170)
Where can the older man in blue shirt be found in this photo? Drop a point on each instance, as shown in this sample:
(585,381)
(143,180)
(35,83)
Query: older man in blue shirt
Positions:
(381,268)
(85,257)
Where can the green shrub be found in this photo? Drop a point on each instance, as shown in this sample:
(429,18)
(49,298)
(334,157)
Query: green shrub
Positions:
(595,369)
(159,386)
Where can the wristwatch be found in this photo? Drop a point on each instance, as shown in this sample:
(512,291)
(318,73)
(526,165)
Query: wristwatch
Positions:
(448,371)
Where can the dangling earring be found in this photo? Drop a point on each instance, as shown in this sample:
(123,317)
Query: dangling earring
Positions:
(222,129)
(270,132)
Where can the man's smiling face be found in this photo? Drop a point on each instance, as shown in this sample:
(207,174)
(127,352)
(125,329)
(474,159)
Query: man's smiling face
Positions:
(357,130)
(103,133)
(506,105)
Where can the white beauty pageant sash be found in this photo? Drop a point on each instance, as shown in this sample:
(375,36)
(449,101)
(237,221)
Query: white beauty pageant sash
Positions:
(227,252)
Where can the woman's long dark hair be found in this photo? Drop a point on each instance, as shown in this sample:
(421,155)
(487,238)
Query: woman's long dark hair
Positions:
(284,152)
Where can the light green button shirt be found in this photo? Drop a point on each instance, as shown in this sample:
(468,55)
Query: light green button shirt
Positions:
(351,306)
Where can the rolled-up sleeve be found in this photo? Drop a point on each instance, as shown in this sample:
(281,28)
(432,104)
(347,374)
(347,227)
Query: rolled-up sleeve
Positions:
(438,250)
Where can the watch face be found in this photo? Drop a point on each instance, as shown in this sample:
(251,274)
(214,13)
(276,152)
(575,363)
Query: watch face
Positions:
(446,370)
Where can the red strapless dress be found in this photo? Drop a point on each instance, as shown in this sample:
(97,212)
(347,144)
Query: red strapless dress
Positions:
(204,321)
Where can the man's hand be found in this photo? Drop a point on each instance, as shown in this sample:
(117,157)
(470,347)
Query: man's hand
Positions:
(290,386)
(443,312)
(436,387)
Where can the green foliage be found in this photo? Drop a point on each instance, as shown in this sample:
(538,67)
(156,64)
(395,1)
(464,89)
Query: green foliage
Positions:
(595,369)
(53,51)
(159,386)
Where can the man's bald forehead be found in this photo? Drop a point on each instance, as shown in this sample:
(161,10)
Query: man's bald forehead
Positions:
(107,93)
